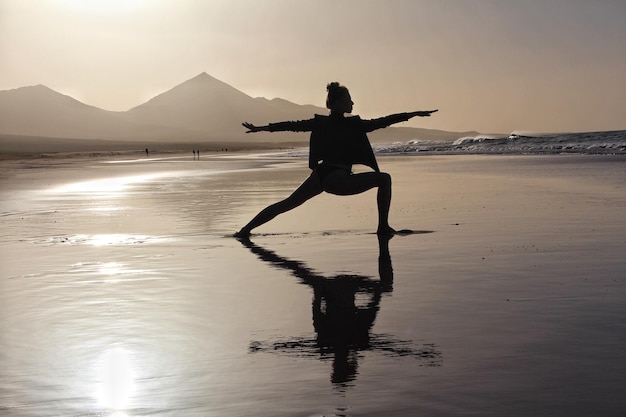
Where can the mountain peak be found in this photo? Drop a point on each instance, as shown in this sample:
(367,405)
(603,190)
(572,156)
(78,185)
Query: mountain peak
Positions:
(39,92)
(203,78)
(38,87)
(201,91)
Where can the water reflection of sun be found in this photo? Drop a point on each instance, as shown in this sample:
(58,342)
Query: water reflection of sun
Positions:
(107,187)
(116,381)
(112,187)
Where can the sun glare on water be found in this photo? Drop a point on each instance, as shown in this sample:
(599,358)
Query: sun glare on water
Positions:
(117,380)
(107,187)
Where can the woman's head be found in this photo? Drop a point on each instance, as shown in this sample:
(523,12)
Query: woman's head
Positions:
(338,98)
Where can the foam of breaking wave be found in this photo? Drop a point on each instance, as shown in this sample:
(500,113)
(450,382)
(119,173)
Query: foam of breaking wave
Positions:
(613,142)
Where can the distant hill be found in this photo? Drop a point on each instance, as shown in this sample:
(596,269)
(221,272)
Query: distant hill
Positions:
(202,109)
(40,111)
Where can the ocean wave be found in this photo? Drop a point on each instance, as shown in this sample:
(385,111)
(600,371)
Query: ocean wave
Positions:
(612,142)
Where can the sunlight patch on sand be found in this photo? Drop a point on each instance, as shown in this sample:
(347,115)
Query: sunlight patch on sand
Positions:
(116,377)
(106,187)
(105,239)
(105,209)
(112,271)
(113,239)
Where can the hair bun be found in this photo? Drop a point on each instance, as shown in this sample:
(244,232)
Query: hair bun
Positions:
(333,86)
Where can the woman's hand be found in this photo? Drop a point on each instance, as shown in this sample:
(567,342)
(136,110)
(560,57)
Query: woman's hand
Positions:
(251,128)
(423,113)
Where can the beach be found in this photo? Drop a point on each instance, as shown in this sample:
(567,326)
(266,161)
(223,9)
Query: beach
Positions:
(123,292)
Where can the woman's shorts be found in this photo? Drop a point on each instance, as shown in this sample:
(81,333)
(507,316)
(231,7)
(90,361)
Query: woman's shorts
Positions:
(323,170)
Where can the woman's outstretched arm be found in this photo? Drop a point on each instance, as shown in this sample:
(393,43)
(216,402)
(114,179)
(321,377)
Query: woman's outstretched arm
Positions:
(291,126)
(382,122)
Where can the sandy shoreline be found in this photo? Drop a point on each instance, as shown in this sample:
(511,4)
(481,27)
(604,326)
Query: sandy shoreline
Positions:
(16,147)
(509,302)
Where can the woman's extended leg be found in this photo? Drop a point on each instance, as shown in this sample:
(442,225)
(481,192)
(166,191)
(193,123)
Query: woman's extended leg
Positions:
(307,190)
(344,183)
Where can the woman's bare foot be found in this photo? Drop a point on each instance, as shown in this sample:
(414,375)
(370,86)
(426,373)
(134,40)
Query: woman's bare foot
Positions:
(386,231)
(242,234)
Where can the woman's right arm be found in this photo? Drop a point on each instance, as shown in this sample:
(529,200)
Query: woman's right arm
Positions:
(291,126)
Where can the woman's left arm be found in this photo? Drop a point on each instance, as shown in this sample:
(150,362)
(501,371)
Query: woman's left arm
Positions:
(382,122)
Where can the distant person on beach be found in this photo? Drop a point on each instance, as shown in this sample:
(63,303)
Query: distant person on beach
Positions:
(337,142)
(147,152)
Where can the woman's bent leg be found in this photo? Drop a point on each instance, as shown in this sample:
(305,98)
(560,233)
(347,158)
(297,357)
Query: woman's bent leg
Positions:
(307,190)
(344,183)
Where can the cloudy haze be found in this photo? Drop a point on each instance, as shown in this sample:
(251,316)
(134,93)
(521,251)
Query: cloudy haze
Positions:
(491,66)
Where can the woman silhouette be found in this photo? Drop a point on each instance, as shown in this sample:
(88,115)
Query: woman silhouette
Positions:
(337,142)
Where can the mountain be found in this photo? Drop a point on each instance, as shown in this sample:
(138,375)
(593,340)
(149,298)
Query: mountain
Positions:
(40,111)
(211,108)
(202,109)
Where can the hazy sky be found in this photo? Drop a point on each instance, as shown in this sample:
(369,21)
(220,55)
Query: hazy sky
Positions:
(488,65)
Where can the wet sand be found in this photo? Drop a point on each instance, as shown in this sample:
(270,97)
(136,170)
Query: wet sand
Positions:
(122,294)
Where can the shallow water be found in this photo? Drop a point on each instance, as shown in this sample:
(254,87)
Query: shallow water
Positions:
(121,294)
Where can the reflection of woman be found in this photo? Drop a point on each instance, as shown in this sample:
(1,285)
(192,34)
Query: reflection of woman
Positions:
(342,325)
(336,143)
(344,309)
